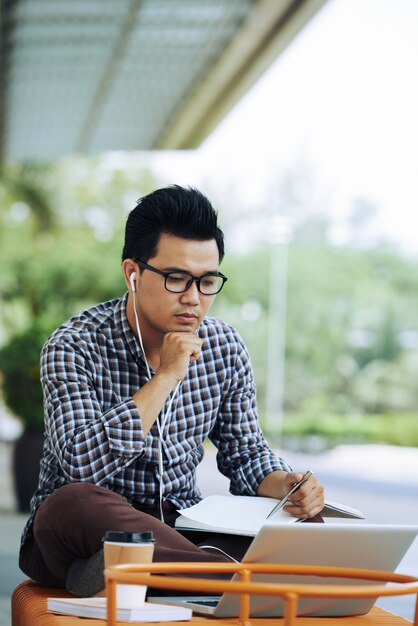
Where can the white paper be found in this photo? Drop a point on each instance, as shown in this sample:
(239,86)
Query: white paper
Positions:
(335,509)
(96,608)
(233,514)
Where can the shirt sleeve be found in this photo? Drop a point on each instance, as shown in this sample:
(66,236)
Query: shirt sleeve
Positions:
(244,455)
(90,444)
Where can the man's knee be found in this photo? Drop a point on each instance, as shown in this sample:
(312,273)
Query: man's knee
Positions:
(80,491)
(74,501)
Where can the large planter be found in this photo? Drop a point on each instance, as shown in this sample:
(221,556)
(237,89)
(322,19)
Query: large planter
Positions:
(22,394)
(26,456)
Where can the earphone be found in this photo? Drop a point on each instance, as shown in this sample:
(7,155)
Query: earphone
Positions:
(161,425)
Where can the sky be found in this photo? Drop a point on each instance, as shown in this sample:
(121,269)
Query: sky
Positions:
(340,103)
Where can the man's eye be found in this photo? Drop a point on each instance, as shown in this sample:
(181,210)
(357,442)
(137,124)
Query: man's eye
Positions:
(209,281)
(176,278)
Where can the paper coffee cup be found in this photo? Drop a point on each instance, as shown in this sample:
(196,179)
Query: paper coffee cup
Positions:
(122,548)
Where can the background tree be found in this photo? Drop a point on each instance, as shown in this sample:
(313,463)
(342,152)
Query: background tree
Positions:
(351,330)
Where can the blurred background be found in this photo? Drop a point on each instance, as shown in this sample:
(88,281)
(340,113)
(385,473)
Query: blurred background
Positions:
(298,119)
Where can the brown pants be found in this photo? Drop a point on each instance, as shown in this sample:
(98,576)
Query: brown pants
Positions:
(72,522)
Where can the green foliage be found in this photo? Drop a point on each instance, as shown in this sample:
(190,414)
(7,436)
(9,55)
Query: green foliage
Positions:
(19,364)
(61,237)
(60,248)
(351,344)
(21,183)
(55,274)
(348,311)
(399,429)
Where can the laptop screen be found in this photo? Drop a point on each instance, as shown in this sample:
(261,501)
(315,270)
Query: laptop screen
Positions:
(354,544)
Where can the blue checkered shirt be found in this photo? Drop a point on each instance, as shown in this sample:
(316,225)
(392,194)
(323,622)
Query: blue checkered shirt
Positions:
(90,368)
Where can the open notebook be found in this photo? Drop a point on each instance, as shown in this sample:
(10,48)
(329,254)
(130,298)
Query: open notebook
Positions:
(365,546)
(245,515)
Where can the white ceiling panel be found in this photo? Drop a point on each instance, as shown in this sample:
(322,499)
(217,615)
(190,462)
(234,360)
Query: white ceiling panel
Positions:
(95,75)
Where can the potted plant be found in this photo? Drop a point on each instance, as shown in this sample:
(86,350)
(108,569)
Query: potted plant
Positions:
(22,393)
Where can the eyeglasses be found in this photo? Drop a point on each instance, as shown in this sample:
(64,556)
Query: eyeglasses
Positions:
(179,281)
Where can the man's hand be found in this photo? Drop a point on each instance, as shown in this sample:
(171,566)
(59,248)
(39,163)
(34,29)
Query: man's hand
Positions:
(178,350)
(308,500)
(304,503)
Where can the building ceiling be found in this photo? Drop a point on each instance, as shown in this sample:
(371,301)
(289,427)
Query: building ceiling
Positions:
(94,75)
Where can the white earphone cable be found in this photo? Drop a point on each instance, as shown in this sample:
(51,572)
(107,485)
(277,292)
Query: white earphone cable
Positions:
(138,330)
(160,426)
(219,550)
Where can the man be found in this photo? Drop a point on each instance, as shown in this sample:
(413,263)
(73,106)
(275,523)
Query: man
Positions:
(132,388)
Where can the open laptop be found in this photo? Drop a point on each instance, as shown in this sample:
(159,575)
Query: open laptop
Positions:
(365,546)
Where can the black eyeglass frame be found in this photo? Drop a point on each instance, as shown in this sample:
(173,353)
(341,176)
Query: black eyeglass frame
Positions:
(189,282)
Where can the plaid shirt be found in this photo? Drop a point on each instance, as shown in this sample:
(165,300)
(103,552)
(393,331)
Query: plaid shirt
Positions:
(90,368)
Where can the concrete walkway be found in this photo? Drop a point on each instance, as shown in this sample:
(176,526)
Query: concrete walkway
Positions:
(382,481)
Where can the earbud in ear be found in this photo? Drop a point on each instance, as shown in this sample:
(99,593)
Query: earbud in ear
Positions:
(132,281)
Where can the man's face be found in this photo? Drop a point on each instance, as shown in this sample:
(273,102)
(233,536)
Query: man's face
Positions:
(161,311)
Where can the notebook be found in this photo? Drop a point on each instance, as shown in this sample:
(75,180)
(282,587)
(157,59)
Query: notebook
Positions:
(365,546)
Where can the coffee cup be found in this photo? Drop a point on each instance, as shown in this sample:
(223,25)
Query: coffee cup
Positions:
(122,547)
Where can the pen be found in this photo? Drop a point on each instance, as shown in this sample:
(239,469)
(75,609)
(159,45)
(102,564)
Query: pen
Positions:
(283,501)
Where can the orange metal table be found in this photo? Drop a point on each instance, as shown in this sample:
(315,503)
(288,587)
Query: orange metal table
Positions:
(29,608)
(245,587)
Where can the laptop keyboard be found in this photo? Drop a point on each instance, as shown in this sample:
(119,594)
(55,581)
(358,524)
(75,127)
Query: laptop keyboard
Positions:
(213,603)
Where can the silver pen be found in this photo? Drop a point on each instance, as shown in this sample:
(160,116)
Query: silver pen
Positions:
(283,501)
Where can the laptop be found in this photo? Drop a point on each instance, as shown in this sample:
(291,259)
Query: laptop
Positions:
(365,546)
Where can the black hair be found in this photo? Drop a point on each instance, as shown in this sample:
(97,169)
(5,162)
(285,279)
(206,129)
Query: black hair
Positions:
(174,210)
